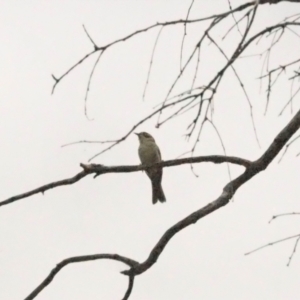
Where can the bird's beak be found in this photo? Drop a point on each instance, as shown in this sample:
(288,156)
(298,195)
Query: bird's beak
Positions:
(136,134)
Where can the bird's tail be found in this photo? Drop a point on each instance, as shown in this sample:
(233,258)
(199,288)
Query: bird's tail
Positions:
(157,193)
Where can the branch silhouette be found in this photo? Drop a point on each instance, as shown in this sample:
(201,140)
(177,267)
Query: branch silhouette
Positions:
(97,170)
(206,93)
(252,169)
(84,258)
(57,80)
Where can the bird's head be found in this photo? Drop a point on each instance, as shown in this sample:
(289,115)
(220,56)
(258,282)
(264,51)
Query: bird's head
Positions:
(145,137)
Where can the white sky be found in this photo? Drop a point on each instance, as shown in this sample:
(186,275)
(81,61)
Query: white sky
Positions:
(114,213)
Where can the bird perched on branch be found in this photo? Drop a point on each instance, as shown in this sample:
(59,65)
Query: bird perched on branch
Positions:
(149,154)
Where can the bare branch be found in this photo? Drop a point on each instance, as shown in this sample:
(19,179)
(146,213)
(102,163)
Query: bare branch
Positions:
(116,142)
(283,215)
(184,33)
(222,144)
(289,101)
(130,286)
(267,61)
(217,159)
(294,251)
(88,142)
(212,84)
(77,259)
(287,147)
(236,23)
(89,83)
(276,1)
(100,169)
(273,243)
(267,30)
(229,190)
(129,36)
(151,62)
(45,187)
(280,68)
(241,84)
(181,72)
(88,35)
(294,32)
(196,69)
(178,112)
(193,124)
(59,79)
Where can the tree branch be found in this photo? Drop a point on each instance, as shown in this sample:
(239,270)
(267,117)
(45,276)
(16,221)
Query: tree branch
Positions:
(84,258)
(229,190)
(101,169)
(284,215)
(277,1)
(264,161)
(45,187)
(129,36)
(130,286)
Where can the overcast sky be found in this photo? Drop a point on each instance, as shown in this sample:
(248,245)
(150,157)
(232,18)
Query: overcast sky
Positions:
(113,213)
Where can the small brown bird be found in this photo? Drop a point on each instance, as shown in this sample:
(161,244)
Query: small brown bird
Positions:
(149,154)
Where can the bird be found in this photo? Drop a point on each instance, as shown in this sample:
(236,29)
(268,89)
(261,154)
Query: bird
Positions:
(149,154)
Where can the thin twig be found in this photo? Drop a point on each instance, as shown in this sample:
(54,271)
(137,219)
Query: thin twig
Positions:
(283,215)
(88,35)
(236,23)
(287,146)
(184,33)
(89,83)
(59,79)
(88,142)
(290,101)
(136,126)
(129,36)
(223,146)
(294,251)
(241,84)
(272,243)
(196,69)
(151,61)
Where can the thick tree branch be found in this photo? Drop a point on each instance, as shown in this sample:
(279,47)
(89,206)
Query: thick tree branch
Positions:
(252,169)
(277,1)
(130,286)
(228,191)
(101,169)
(84,258)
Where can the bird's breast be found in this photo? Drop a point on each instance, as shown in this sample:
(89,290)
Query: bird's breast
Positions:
(149,153)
